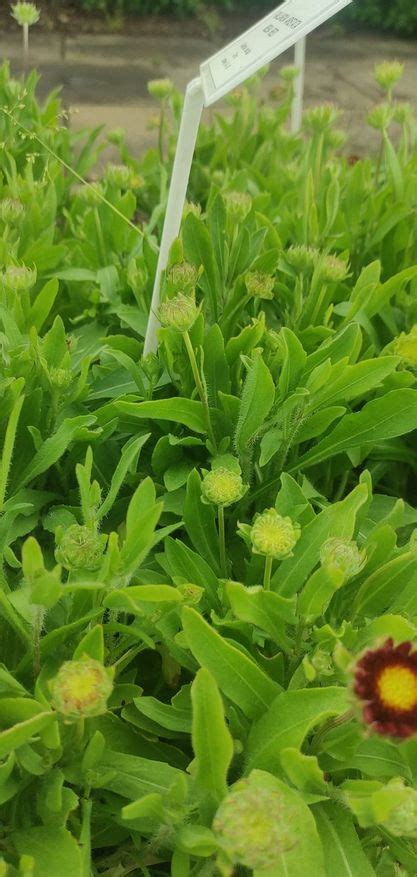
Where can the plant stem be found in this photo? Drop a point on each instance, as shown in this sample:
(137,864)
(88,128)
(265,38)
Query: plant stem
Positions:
(25,41)
(100,238)
(267,573)
(200,388)
(222,540)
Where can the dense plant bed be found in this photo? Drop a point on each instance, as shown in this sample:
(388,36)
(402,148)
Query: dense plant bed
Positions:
(209,569)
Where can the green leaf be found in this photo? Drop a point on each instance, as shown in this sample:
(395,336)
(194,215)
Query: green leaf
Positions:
(189,412)
(343,853)
(303,771)
(20,733)
(54,850)
(212,743)
(53,448)
(187,565)
(257,400)
(142,517)
(383,587)
(9,439)
(287,722)
(129,453)
(391,415)
(132,776)
(44,303)
(199,251)
(264,609)
(293,358)
(92,644)
(237,676)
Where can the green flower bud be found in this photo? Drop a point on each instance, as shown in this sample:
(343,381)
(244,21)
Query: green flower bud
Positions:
(238,205)
(11,210)
(253,825)
(333,269)
(19,278)
(402,820)
(289,73)
(190,207)
(118,175)
(222,486)
(25,13)
(337,138)
(81,689)
(90,194)
(116,136)
(61,378)
(321,119)
(342,554)
(181,278)
(403,113)
(160,88)
(80,548)
(302,258)
(178,313)
(388,74)
(405,346)
(274,536)
(381,116)
(260,285)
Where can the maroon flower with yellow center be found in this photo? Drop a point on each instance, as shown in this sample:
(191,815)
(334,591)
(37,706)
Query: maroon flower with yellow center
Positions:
(386,683)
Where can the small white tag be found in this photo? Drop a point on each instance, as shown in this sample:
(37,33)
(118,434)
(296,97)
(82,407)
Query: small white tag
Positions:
(263,42)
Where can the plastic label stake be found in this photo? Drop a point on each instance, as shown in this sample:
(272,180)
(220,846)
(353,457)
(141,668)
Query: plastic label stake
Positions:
(297,104)
(278,31)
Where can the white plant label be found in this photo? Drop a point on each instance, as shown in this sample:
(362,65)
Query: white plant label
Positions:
(278,31)
(263,42)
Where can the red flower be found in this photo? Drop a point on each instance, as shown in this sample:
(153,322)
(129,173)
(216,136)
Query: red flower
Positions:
(386,683)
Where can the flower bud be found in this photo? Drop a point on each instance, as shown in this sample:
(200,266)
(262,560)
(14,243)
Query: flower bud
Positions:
(181,278)
(337,138)
(405,346)
(116,136)
(160,88)
(341,554)
(80,548)
(222,486)
(388,74)
(260,285)
(238,205)
(333,269)
(403,113)
(190,207)
(81,689)
(253,825)
(19,278)
(91,193)
(178,313)
(60,378)
(274,536)
(302,258)
(402,820)
(289,73)
(11,210)
(320,119)
(25,13)
(118,175)
(381,116)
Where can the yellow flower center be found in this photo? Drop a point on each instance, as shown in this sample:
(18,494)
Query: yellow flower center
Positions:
(397,688)
(82,688)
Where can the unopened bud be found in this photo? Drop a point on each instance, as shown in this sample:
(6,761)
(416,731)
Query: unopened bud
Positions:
(260,285)
(11,210)
(25,13)
(181,278)
(320,119)
(381,116)
(333,269)
(402,820)
(302,258)
(222,486)
(160,88)
(19,278)
(80,548)
(273,535)
(388,74)
(344,555)
(238,205)
(81,689)
(118,175)
(178,313)
(60,378)
(405,346)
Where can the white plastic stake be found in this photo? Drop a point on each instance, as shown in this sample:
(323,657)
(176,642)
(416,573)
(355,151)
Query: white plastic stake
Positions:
(278,31)
(190,121)
(297,105)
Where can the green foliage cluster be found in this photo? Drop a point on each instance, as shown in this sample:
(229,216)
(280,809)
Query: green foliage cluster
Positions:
(394,16)
(197,546)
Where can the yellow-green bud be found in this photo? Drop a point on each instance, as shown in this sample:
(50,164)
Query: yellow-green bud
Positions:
(19,278)
(260,285)
(80,548)
(289,73)
(337,138)
(403,113)
(344,555)
(118,175)
(160,88)
(402,820)
(388,74)
(320,119)
(253,825)
(116,136)
(11,210)
(25,13)
(405,346)
(90,194)
(274,536)
(333,269)
(302,258)
(60,378)
(190,207)
(222,486)
(381,116)
(81,689)
(181,278)
(238,205)
(178,313)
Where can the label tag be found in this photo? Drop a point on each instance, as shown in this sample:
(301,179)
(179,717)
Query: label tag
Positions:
(263,42)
